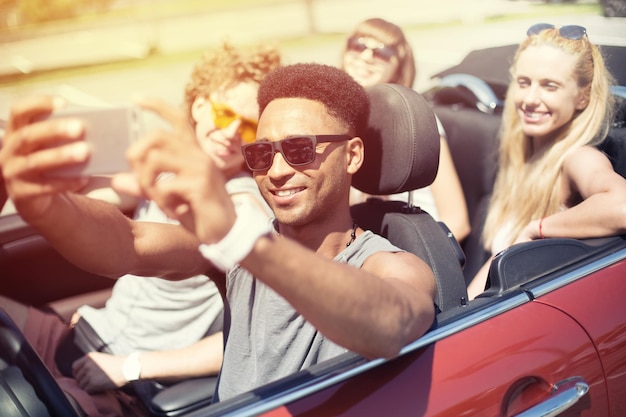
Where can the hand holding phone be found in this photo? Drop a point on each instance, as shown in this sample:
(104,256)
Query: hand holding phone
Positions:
(108,132)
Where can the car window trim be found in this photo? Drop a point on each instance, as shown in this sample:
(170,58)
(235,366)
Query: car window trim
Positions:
(546,285)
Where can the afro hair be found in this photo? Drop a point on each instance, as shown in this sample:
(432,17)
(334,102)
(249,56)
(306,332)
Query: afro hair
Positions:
(343,97)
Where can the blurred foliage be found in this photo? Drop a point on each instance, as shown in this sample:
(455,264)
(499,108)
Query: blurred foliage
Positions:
(24,14)
(20,12)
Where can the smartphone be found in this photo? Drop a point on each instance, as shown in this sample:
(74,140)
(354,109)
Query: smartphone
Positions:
(108,132)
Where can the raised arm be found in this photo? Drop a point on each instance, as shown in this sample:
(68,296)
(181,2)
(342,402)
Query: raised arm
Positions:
(595,196)
(91,234)
(375,310)
(99,188)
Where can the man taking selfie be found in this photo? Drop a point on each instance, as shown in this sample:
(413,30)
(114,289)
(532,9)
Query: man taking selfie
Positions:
(301,289)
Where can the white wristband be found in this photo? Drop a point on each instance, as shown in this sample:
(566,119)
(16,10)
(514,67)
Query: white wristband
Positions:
(251,224)
(131,369)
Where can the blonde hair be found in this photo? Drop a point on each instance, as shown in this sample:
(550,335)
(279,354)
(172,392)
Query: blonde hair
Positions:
(527,185)
(226,66)
(391,35)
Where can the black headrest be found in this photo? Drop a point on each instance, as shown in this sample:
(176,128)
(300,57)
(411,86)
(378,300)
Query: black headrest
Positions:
(401,142)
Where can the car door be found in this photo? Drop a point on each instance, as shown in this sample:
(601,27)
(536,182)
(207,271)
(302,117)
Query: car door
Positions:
(515,361)
(596,303)
(500,366)
(32,272)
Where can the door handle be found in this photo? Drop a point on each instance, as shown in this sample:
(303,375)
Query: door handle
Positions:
(563,395)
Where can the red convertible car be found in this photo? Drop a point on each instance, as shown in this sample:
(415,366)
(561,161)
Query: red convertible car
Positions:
(548,338)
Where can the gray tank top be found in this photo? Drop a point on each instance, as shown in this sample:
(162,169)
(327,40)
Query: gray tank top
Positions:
(268,339)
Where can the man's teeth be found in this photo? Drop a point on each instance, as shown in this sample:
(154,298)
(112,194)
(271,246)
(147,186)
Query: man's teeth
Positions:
(285,193)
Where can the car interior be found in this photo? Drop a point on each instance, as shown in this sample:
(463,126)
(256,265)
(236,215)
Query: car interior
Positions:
(410,137)
(402,143)
(472,138)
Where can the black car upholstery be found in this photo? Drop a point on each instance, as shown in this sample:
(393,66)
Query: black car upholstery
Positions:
(525,262)
(614,146)
(473,140)
(27,388)
(402,154)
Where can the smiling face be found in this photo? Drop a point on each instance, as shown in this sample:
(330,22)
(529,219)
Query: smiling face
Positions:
(224,144)
(545,92)
(369,62)
(301,195)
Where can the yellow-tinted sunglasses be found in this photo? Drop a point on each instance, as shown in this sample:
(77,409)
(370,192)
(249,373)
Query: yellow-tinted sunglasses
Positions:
(223,116)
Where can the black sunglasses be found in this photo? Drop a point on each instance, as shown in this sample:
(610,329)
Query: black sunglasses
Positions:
(572,32)
(381,52)
(297,150)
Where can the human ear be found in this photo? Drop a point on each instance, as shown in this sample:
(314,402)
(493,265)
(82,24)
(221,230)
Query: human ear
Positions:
(583,100)
(198,108)
(355,154)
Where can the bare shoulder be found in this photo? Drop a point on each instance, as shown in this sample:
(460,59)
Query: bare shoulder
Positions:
(589,171)
(400,265)
(586,156)
(585,163)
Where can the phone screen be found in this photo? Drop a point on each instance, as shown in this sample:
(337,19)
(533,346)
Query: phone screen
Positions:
(108,132)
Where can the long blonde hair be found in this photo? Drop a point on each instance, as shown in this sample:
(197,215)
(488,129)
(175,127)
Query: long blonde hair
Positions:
(391,35)
(527,184)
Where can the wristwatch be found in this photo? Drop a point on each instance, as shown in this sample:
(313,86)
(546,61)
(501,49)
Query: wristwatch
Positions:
(132,367)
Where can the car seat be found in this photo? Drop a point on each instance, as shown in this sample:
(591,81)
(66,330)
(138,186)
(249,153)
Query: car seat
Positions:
(470,111)
(614,145)
(466,90)
(27,388)
(402,154)
(473,141)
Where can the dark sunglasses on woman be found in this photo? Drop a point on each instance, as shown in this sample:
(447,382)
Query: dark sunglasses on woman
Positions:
(572,32)
(380,52)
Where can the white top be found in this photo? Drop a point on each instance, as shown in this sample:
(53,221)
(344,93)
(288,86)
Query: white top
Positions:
(157,314)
